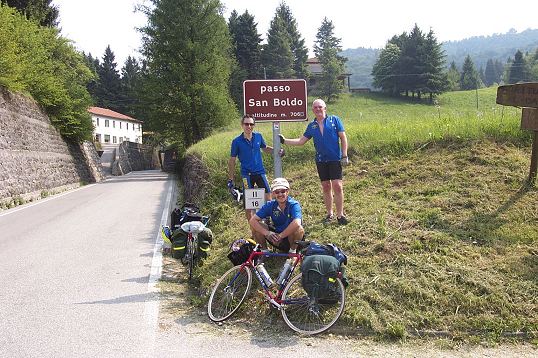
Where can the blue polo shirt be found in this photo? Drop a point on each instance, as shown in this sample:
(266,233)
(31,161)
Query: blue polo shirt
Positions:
(327,145)
(281,219)
(249,153)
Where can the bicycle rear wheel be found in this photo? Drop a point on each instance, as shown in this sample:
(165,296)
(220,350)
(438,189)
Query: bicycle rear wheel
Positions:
(229,293)
(190,253)
(311,316)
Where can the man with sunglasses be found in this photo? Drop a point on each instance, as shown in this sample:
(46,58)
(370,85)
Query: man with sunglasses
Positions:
(286,215)
(328,133)
(248,146)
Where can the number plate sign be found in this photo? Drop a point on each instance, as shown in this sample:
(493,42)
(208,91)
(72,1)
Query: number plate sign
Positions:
(254,198)
(275,100)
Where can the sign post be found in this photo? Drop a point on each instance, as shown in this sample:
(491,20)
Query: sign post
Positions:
(524,95)
(275,101)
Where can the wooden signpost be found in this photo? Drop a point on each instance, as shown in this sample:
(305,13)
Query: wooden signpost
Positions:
(524,95)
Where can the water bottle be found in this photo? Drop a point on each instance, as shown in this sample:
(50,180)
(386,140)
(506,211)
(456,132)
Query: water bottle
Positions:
(284,273)
(265,275)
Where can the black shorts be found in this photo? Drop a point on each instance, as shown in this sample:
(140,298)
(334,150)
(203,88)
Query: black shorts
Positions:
(283,245)
(329,170)
(256,180)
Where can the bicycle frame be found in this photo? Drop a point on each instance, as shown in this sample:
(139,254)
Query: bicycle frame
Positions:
(275,299)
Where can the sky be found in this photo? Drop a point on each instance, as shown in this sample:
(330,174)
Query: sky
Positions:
(92,25)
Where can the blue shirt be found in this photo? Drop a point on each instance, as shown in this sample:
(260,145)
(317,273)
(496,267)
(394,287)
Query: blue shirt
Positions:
(281,219)
(327,145)
(249,153)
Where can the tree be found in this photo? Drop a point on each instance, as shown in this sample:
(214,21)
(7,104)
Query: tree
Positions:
(490,75)
(277,56)
(327,47)
(411,65)
(186,68)
(109,86)
(385,68)
(518,70)
(40,11)
(298,48)
(130,76)
(247,51)
(469,77)
(434,79)
(454,77)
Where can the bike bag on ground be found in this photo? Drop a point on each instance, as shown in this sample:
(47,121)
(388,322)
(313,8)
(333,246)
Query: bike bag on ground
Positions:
(329,250)
(188,212)
(319,273)
(205,238)
(240,251)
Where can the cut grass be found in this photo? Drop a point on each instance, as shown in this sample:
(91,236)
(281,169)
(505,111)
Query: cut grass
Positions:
(444,228)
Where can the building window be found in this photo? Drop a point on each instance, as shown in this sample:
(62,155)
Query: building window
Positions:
(113,124)
(138,127)
(106,123)
(114,140)
(98,138)
(127,126)
(107,138)
(121,138)
(127,139)
(120,125)
(97,122)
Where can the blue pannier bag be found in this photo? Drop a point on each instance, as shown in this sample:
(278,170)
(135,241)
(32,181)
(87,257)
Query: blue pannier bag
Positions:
(331,250)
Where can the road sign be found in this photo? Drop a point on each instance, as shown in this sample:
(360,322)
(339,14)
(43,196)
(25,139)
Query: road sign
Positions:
(518,95)
(524,95)
(254,198)
(275,100)
(529,119)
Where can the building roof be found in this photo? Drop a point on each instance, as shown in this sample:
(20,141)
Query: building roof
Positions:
(98,111)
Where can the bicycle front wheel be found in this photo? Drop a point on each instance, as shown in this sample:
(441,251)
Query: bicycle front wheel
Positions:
(229,293)
(311,316)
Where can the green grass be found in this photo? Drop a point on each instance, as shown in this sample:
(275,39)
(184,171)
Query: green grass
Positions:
(444,228)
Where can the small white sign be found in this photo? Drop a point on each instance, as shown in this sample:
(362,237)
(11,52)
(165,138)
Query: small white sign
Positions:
(254,198)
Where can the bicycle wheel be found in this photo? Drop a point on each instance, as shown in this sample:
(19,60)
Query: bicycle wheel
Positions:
(229,293)
(311,316)
(190,258)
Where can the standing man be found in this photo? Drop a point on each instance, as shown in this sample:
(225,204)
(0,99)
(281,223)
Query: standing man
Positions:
(328,133)
(248,146)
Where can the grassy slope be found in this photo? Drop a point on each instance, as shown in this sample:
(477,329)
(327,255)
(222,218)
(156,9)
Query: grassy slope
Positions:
(444,230)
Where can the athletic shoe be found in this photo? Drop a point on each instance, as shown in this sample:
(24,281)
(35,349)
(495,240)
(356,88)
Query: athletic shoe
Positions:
(342,220)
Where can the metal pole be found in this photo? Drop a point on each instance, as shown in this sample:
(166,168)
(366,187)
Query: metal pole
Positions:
(277,161)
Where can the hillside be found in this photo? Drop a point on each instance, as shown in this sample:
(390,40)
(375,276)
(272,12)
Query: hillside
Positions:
(444,228)
(480,48)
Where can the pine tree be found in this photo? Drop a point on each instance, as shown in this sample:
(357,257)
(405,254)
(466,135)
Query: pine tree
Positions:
(277,56)
(434,79)
(187,50)
(518,71)
(454,77)
(490,75)
(327,47)
(130,75)
(297,45)
(109,86)
(385,68)
(40,11)
(469,77)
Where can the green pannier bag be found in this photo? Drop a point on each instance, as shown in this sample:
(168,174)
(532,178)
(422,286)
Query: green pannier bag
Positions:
(319,273)
(205,238)
(179,244)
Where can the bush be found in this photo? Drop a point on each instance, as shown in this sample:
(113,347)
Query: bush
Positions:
(38,61)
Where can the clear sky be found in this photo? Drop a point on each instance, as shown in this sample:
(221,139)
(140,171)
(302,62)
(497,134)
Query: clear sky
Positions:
(93,25)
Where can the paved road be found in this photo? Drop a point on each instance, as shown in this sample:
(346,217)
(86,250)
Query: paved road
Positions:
(75,271)
(78,278)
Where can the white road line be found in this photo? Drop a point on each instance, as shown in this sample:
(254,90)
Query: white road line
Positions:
(151,307)
(41,201)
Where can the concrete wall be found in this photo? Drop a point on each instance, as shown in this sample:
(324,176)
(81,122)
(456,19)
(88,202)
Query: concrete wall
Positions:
(34,159)
(134,156)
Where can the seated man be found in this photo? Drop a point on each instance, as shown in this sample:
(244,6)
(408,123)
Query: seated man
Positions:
(286,215)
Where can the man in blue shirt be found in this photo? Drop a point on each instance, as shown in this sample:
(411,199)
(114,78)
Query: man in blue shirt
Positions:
(286,215)
(248,146)
(328,133)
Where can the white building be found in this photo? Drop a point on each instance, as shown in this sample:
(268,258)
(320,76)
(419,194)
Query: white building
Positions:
(111,127)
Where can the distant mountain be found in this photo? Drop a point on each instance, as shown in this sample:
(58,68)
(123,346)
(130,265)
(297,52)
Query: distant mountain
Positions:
(480,48)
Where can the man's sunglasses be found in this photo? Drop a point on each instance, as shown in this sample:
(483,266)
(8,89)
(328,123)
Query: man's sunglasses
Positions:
(278,192)
(249,124)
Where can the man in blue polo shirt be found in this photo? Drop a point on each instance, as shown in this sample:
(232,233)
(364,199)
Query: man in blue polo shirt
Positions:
(248,146)
(328,133)
(286,215)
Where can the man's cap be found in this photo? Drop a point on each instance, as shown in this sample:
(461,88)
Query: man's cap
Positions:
(279,183)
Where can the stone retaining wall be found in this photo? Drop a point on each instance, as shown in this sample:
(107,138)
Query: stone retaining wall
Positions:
(35,160)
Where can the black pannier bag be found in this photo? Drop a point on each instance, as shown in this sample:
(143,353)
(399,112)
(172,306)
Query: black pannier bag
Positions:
(240,251)
(188,212)
(179,244)
(205,238)
(319,273)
